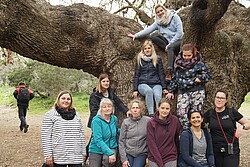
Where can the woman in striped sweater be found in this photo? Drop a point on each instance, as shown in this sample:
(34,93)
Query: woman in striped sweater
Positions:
(63,136)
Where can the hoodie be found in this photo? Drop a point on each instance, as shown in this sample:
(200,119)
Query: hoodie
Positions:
(163,139)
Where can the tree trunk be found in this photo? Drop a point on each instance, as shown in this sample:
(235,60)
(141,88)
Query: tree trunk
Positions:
(91,39)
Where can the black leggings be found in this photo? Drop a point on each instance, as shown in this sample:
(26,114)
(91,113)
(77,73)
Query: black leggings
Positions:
(222,160)
(173,48)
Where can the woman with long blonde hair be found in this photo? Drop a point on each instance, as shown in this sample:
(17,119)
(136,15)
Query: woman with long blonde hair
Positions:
(169,36)
(149,76)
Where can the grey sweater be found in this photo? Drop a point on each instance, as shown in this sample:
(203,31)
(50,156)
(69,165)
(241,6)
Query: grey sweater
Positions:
(132,138)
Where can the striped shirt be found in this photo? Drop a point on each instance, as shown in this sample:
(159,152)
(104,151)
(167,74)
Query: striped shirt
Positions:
(64,140)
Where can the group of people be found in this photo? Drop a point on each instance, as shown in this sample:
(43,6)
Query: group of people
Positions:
(159,139)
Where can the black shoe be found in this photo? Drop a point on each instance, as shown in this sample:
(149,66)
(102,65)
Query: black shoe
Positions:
(26,129)
(21,128)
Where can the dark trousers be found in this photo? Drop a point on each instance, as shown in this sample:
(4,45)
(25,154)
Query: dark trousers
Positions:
(173,49)
(139,161)
(22,111)
(226,160)
(71,165)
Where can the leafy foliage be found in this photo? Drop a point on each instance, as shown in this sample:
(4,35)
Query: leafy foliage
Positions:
(48,80)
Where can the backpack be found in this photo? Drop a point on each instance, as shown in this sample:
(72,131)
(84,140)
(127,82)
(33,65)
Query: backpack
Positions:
(23,95)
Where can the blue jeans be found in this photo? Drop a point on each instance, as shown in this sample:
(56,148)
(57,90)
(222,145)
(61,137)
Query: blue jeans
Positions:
(151,94)
(139,161)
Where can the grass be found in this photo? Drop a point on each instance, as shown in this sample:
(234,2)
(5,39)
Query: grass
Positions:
(41,105)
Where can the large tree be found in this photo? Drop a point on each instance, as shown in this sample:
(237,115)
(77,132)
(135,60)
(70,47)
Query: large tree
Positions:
(91,39)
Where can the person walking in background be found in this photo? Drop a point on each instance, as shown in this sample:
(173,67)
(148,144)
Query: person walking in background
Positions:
(103,145)
(170,28)
(222,124)
(149,77)
(196,148)
(189,80)
(163,132)
(62,132)
(133,147)
(103,90)
(23,95)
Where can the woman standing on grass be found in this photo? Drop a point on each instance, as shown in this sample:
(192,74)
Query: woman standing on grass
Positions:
(63,136)
(163,137)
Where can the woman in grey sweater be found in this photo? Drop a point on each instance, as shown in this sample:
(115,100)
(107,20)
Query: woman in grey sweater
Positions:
(132,142)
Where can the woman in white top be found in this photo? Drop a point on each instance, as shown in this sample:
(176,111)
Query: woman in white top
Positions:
(63,136)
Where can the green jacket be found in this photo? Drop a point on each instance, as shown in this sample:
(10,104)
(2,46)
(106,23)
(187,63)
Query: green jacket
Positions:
(104,135)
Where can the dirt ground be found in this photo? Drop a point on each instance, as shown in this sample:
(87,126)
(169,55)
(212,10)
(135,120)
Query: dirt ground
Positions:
(18,149)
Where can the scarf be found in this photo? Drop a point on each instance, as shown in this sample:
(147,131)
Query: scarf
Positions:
(186,64)
(165,19)
(147,58)
(67,115)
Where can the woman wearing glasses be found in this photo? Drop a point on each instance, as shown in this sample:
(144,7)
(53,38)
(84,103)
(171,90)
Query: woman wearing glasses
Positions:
(189,80)
(222,123)
(169,26)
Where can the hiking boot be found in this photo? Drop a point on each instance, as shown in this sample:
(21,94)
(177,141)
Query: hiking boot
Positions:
(26,129)
(169,75)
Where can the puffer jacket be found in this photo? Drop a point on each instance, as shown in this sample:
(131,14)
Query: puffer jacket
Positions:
(148,74)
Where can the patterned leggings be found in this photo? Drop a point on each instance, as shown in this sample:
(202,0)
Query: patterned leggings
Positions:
(189,101)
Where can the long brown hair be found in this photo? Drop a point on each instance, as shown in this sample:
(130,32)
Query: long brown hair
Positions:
(98,86)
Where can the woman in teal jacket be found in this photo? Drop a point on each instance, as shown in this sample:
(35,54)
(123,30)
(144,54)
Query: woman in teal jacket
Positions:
(103,146)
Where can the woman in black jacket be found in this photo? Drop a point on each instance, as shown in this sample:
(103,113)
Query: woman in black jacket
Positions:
(149,77)
(103,90)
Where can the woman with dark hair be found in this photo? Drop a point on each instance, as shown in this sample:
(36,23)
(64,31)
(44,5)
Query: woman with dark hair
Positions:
(163,132)
(222,124)
(169,26)
(190,76)
(149,77)
(103,90)
(196,148)
(63,136)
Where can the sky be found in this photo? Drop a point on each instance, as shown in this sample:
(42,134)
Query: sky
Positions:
(95,3)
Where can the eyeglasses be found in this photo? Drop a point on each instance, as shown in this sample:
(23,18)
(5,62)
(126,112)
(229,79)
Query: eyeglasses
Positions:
(221,98)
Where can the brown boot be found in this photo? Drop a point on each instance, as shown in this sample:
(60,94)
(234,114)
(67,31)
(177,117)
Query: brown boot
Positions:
(169,75)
